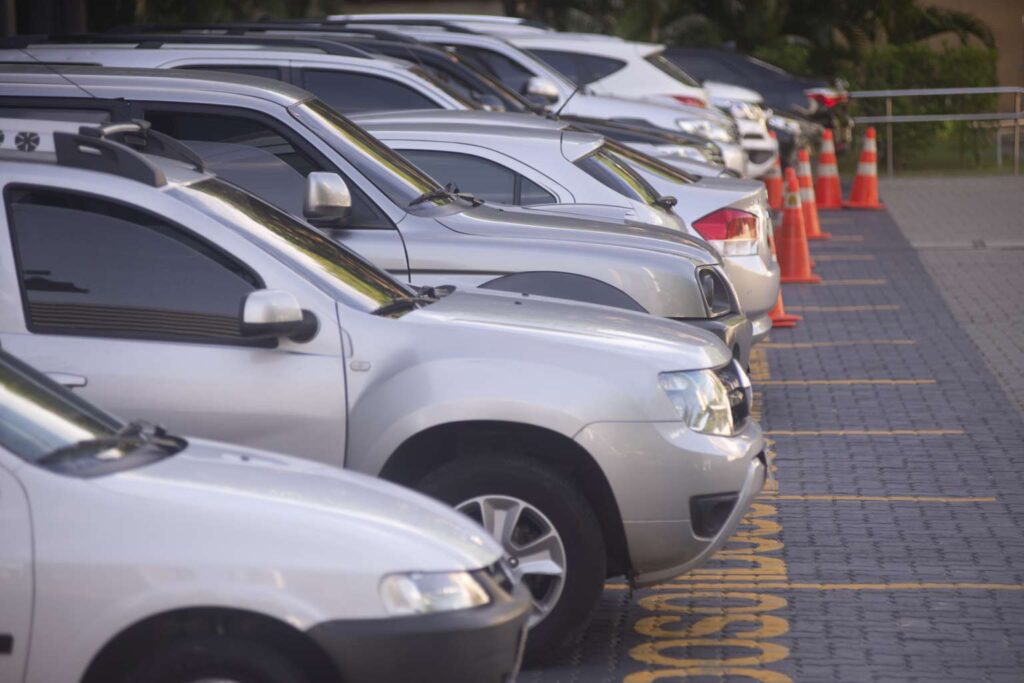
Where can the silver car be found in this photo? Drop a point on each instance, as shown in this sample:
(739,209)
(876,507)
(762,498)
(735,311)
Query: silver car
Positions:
(401,219)
(549,164)
(133,554)
(590,441)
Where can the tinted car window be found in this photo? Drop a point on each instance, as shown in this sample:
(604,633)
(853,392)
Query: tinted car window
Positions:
(485,179)
(271,72)
(88,266)
(199,129)
(354,93)
(662,63)
(581,69)
(614,174)
(501,67)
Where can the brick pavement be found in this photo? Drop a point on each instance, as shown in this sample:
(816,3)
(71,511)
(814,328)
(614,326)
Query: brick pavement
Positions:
(895,557)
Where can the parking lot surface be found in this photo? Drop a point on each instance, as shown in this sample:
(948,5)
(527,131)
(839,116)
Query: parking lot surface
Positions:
(892,548)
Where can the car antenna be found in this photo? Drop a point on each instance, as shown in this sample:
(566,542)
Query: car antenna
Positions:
(55,72)
(571,95)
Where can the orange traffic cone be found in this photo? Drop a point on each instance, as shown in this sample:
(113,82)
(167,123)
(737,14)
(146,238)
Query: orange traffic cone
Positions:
(865,186)
(778,314)
(826,190)
(773,182)
(794,256)
(812,227)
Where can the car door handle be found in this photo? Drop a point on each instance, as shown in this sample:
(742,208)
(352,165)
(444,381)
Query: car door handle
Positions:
(68,380)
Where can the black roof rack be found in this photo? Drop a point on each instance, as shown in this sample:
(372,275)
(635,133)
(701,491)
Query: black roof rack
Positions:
(249,27)
(435,23)
(117,148)
(148,41)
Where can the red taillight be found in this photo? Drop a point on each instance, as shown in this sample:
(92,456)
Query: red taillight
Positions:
(827,97)
(689,101)
(727,224)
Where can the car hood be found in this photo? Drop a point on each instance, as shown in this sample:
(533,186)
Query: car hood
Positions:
(514,222)
(662,342)
(239,491)
(726,91)
(603,106)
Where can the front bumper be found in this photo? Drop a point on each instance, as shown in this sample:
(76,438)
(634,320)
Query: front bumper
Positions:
(733,329)
(479,645)
(655,469)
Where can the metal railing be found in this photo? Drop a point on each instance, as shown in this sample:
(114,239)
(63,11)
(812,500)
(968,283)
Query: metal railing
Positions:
(1016,116)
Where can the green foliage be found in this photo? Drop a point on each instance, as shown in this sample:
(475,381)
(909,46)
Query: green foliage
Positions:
(916,65)
(793,57)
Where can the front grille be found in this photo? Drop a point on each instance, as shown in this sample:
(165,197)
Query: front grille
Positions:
(737,384)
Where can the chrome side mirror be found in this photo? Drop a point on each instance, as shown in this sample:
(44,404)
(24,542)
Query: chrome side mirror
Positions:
(327,202)
(272,313)
(541,88)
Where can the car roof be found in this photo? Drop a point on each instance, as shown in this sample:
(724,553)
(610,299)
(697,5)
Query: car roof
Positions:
(75,78)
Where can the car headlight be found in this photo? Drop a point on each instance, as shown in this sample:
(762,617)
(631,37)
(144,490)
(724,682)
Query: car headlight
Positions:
(701,399)
(784,123)
(694,127)
(423,593)
(683,152)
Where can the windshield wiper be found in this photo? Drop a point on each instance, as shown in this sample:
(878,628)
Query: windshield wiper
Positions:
(131,436)
(449,191)
(400,303)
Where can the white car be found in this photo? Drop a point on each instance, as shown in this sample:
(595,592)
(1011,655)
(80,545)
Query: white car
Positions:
(613,67)
(131,555)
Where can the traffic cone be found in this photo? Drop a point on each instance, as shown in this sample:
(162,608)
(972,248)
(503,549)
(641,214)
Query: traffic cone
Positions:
(826,190)
(794,256)
(778,314)
(773,182)
(812,227)
(865,186)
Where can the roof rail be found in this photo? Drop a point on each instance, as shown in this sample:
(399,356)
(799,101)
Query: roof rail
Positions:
(443,16)
(147,41)
(106,156)
(139,136)
(433,23)
(249,28)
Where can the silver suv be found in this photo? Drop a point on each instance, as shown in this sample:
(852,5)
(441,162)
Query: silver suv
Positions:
(591,441)
(401,219)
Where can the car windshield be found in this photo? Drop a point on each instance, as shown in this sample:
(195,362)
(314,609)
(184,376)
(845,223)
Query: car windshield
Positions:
(649,164)
(659,60)
(351,278)
(440,84)
(617,175)
(38,417)
(390,172)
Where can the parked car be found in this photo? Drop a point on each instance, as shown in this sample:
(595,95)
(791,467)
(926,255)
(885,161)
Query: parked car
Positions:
(590,441)
(821,102)
(547,167)
(401,219)
(133,554)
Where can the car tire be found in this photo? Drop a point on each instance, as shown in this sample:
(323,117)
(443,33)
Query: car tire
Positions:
(221,658)
(559,502)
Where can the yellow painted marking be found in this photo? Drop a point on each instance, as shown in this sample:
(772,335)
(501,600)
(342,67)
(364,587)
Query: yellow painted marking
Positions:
(866,432)
(842,382)
(834,344)
(795,585)
(759,364)
(845,309)
(862,282)
(877,499)
(823,258)
(762,675)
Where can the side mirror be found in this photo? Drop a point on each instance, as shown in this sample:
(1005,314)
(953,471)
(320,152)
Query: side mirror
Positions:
(327,202)
(541,88)
(271,314)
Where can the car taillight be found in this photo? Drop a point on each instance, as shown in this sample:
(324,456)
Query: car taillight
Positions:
(827,97)
(689,101)
(732,232)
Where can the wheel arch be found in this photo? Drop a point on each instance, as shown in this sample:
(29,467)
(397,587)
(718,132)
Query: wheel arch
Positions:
(125,649)
(431,448)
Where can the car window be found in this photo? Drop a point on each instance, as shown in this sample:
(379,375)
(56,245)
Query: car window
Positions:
(662,63)
(614,174)
(483,178)
(199,129)
(497,65)
(37,417)
(92,267)
(352,93)
(263,71)
(581,69)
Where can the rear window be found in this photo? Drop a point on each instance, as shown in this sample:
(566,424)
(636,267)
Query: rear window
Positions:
(581,69)
(659,60)
(614,174)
